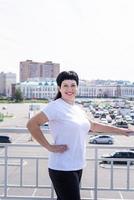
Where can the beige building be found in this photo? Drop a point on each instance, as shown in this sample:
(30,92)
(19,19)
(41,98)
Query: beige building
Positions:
(48,89)
(30,70)
(6,81)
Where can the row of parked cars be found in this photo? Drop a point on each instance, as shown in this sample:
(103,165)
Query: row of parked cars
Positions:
(117,157)
(118,116)
(118,119)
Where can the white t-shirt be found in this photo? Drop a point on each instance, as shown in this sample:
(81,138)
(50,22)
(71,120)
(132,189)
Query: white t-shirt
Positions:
(69,125)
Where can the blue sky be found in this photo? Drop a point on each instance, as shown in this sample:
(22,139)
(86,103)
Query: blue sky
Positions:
(93,37)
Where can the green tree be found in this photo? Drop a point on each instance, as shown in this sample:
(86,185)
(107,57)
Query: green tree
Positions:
(18,95)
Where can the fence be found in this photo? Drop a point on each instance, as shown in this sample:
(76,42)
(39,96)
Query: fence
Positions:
(23,174)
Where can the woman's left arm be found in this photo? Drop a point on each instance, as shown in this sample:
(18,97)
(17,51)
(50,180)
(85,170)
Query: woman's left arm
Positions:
(108,129)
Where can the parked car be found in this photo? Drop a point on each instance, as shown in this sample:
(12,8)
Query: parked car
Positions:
(118,154)
(101,139)
(121,124)
(103,120)
(5,139)
(97,114)
(129,119)
(118,118)
(109,119)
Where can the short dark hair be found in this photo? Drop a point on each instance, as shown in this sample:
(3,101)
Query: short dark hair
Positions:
(66,75)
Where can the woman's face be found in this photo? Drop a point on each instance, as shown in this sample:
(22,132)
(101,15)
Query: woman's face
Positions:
(68,90)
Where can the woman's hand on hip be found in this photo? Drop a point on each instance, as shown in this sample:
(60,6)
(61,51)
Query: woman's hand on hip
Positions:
(57,148)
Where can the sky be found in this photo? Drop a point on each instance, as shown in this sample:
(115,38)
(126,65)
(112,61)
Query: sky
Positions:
(95,38)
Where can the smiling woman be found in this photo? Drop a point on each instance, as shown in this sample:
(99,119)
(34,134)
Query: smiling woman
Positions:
(69,126)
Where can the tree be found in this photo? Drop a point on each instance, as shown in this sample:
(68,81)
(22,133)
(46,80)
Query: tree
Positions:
(18,95)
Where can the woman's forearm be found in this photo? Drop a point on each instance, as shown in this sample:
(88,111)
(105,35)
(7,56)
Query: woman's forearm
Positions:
(36,132)
(38,135)
(102,128)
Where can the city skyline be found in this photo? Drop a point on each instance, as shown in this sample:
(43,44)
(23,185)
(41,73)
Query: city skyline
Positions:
(94,38)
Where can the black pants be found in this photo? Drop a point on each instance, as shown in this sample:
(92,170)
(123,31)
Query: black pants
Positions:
(66,184)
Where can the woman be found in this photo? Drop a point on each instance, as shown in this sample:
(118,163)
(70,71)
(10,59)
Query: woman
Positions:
(69,126)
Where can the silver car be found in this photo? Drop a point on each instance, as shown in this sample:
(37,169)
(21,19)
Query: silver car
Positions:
(101,139)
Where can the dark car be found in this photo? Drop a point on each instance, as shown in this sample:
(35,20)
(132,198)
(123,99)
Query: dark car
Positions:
(118,157)
(5,139)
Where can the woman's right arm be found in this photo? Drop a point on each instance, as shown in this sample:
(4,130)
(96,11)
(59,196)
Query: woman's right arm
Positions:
(33,126)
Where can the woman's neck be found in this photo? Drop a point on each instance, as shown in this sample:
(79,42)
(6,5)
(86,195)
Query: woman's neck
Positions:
(71,102)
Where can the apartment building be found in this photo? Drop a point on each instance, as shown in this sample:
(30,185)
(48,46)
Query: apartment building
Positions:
(6,81)
(30,70)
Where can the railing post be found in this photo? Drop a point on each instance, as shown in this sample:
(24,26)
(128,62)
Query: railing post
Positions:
(5,172)
(95,173)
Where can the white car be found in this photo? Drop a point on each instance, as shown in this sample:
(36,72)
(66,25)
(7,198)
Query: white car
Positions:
(101,139)
(104,120)
(109,119)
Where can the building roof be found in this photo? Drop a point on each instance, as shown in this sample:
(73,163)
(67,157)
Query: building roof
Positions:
(39,83)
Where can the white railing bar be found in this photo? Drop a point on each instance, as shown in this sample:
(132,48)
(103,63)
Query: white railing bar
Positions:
(27,186)
(25,157)
(46,158)
(96,174)
(37,171)
(88,147)
(21,172)
(31,198)
(115,159)
(5,173)
(82,188)
(128,175)
(111,183)
(109,147)
(49,198)
(21,130)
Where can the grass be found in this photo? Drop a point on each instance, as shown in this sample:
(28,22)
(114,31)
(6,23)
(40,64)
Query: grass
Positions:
(2,101)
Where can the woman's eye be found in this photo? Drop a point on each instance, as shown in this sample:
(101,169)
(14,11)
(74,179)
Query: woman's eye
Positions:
(65,86)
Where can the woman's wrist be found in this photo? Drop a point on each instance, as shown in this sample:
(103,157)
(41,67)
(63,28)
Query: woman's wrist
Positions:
(47,146)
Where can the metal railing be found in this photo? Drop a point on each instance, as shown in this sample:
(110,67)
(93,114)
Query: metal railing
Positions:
(17,170)
(23,173)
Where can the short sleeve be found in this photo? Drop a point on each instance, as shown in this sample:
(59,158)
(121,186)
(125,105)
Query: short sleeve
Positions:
(50,110)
